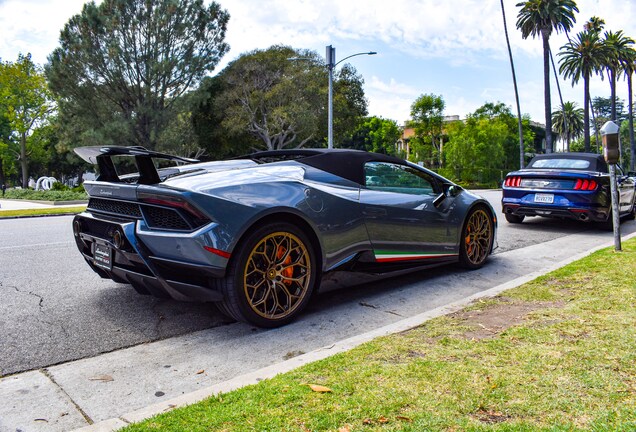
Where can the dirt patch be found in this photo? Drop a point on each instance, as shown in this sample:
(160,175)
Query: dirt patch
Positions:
(491,417)
(494,319)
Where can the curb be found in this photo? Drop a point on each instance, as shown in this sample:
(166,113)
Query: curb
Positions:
(324,352)
(35,216)
(53,203)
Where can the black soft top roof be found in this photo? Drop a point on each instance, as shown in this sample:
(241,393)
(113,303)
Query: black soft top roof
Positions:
(597,162)
(345,163)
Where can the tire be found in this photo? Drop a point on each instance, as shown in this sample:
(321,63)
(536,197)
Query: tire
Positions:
(514,219)
(632,213)
(271,277)
(477,238)
(608,225)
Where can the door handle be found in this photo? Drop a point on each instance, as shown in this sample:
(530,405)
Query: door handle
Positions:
(374,212)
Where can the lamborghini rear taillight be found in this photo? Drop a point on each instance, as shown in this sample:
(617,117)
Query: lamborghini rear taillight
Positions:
(170,201)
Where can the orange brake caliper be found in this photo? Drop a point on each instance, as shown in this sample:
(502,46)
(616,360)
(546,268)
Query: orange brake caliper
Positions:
(289,271)
(469,246)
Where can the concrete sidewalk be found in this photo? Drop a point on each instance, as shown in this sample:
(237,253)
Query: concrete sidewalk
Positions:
(11,204)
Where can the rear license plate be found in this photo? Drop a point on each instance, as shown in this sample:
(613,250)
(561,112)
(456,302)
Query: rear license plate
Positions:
(544,198)
(103,256)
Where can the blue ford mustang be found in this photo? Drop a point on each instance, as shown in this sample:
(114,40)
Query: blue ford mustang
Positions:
(256,234)
(567,186)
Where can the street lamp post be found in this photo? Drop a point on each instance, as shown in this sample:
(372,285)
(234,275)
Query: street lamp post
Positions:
(331,65)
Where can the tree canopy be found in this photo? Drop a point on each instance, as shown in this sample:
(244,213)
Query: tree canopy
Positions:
(427,118)
(25,104)
(375,134)
(276,98)
(123,65)
(484,147)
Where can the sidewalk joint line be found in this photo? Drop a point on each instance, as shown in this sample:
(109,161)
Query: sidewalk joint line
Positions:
(47,374)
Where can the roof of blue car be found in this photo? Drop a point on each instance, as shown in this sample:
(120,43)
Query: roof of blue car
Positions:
(597,161)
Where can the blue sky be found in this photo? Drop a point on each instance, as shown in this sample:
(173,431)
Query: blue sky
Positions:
(452,48)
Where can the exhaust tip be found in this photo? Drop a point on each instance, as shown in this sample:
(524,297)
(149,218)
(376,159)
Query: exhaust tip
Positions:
(77,228)
(118,239)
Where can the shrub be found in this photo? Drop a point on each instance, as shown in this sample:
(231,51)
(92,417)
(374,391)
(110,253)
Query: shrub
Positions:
(50,195)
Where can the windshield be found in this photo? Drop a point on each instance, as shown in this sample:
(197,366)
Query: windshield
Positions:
(579,164)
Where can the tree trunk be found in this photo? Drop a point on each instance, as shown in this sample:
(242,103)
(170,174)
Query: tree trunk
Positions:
(546,93)
(612,81)
(630,111)
(23,162)
(3,180)
(586,112)
(514,83)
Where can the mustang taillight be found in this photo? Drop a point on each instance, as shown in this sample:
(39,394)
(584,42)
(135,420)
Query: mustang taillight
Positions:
(170,201)
(513,181)
(586,185)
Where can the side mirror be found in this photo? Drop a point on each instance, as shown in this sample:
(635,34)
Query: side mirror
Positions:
(454,190)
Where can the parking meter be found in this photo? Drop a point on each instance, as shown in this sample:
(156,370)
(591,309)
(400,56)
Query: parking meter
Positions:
(609,132)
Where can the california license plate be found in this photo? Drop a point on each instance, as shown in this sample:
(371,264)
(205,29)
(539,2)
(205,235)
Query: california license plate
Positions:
(544,198)
(103,256)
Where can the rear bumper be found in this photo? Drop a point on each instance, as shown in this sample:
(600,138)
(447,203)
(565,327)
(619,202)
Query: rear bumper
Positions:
(584,214)
(585,206)
(133,262)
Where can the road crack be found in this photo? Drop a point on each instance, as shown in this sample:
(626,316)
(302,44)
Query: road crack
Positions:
(369,305)
(31,293)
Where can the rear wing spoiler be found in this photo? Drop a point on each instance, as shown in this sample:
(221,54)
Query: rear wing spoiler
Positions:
(101,155)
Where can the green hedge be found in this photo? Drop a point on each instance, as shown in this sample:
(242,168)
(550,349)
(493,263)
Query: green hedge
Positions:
(50,195)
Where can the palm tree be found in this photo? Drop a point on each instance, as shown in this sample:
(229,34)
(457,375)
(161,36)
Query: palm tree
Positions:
(617,45)
(540,18)
(580,58)
(568,122)
(629,66)
(514,83)
(594,24)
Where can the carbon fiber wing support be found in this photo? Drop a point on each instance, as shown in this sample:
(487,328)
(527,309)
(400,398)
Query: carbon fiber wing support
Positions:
(102,156)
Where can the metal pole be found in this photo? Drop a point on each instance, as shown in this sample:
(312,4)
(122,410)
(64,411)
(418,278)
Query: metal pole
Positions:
(331,54)
(615,208)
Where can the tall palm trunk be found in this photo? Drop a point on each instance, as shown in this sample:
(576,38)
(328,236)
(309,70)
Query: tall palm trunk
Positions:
(586,112)
(546,92)
(514,83)
(630,114)
(613,93)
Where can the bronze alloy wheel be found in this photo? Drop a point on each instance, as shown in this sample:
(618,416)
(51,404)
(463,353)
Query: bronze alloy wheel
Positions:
(477,238)
(277,275)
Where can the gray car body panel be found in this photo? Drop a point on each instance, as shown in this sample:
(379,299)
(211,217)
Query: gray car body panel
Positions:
(347,219)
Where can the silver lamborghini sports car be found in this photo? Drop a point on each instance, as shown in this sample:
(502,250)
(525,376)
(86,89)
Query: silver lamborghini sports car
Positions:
(256,234)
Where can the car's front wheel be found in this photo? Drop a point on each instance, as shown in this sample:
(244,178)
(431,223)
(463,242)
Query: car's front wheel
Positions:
(478,235)
(271,277)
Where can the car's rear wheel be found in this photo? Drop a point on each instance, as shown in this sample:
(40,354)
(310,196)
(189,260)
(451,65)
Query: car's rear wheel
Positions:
(632,213)
(477,238)
(271,277)
(514,218)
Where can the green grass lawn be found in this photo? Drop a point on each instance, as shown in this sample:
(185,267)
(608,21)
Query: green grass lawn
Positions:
(556,354)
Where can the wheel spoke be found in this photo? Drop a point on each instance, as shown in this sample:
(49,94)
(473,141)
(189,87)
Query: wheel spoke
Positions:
(478,237)
(277,275)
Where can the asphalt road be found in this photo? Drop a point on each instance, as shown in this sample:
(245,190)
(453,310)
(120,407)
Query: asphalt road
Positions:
(55,309)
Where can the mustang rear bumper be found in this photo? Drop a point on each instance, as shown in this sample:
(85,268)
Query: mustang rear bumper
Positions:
(126,259)
(576,213)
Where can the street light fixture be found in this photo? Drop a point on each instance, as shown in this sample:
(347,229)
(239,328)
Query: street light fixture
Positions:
(331,64)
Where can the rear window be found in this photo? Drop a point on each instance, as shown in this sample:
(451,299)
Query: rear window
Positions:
(579,164)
